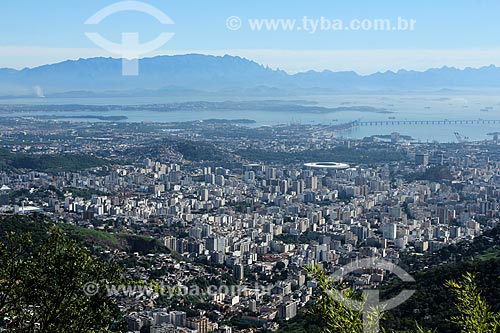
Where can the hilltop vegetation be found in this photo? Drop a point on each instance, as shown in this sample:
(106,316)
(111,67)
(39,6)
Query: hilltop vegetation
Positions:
(461,301)
(431,303)
(433,174)
(48,163)
(39,226)
(343,154)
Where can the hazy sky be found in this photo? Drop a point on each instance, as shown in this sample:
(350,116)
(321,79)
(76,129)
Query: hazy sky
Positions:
(446,32)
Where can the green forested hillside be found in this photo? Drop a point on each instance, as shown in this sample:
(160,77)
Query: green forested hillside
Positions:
(39,227)
(432,304)
(48,163)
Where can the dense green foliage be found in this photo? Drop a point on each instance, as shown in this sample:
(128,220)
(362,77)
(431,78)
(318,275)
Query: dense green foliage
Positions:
(304,322)
(342,154)
(194,151)
(335,315)
(475,314)
(199,151)
(39,226)
(42,286)
(48,163)
(471,313)
(431,303)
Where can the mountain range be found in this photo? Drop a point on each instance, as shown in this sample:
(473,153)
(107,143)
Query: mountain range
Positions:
(193,74)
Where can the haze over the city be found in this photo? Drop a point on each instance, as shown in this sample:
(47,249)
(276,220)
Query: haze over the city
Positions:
(223,166)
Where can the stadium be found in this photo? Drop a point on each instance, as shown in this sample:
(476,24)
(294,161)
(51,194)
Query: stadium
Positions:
(327,165)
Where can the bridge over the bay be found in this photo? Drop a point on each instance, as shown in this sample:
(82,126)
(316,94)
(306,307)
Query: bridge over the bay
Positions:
(425,122)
